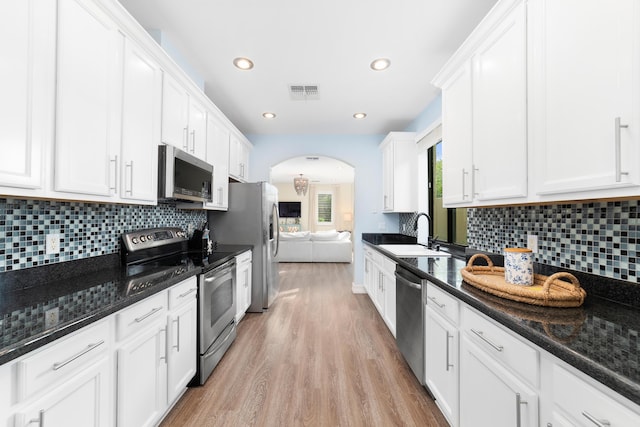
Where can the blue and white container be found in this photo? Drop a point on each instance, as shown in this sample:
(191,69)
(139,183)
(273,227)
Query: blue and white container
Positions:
(518,266)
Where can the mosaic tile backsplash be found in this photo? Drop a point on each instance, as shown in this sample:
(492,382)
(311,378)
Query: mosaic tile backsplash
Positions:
(598,238)
(85,229)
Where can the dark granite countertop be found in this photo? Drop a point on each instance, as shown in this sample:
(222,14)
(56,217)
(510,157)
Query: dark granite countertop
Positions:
(600,338)
(84,291)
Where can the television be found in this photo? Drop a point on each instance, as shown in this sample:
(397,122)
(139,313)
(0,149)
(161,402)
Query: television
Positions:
(290,209)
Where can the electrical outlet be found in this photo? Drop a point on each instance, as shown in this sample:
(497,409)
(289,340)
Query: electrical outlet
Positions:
(52,245)
(532,242)
(51,318)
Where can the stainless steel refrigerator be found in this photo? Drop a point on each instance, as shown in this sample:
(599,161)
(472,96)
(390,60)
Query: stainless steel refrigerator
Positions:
(252,219)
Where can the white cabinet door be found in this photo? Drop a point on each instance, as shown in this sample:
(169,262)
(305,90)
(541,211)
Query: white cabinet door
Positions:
(88,100)
(243,284)
(82,401)
(585,75)
(387,177)
(490,395)
(441,364)
(175,113)
(238,158)
(197,143)
(218,156)
(500,111)
(457,138)
(141,110)
(182,348)
(27,85)
(142,369)
(389,298)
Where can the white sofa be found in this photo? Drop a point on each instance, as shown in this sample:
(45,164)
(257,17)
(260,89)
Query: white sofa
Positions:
(321,246)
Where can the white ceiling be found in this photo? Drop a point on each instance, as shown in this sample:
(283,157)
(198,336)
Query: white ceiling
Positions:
(329,43)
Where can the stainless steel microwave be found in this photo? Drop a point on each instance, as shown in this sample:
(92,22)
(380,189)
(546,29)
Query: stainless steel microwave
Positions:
(182,176)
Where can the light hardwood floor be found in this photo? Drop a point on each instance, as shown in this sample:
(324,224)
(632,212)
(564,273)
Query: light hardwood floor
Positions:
(321,356)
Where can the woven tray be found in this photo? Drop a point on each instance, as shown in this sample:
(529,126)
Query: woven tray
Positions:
(547,291)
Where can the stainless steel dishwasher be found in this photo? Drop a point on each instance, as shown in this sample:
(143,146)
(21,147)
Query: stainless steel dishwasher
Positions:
(410,304)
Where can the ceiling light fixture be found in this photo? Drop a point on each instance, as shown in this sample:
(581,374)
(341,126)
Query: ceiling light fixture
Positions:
(301,185)
(380,64)
(268,115)
(359,115)
(243,63)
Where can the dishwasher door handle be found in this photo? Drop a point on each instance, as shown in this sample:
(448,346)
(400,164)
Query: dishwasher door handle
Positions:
(404,281)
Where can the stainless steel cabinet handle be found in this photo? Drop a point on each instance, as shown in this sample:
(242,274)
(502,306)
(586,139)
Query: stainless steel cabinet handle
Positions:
(90,347)
(190,291)
(618,148)
(435,301)
(130,167)
(220,195)
(488,341)
(115,173)
(153,311)
(473,181)
(39,420)
(177,346)
(599,423)
(449,365)
(185,138)
(193,141)
(164,332)
(385,201)
(464,191)
(519,403)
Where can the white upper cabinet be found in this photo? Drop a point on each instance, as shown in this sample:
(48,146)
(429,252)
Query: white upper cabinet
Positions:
(184,120)
(218,156)
(585,97)
(399,172)
(456,137)
(484,112)
(27,86)
(500,111)
(141,110)
(239,150)
(88,100)
(175,113)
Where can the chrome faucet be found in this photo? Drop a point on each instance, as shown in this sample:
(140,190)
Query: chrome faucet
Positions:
(415,225)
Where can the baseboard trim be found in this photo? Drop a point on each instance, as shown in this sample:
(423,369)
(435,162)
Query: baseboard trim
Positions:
(358,289)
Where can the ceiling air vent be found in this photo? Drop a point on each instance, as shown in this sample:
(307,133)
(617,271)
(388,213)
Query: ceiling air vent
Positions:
(304,92)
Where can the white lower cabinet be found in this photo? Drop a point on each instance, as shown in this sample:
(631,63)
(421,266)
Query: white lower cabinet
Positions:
(380,283)
(142,362)
(442,368)
(182,337)
(243,284)
(69,376)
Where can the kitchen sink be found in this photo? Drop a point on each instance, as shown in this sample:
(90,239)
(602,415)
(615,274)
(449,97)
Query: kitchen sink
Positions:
(412,251)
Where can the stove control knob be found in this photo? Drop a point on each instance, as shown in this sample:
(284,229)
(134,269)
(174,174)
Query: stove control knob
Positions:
(134,240)
(143,239)
(149,237)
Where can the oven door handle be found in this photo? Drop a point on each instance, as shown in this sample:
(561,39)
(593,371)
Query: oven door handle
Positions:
(212,351)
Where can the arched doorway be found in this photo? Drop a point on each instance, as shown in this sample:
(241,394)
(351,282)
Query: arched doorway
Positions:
(327,203)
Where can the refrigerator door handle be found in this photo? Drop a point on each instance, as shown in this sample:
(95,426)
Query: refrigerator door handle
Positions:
(276,226)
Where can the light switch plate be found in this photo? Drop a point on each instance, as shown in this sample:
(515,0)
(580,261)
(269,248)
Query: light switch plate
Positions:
(532,242)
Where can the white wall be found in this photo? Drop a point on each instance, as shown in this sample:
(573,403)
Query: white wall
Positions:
(360,151)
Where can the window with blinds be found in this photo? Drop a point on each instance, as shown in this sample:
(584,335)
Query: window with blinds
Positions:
(324,207)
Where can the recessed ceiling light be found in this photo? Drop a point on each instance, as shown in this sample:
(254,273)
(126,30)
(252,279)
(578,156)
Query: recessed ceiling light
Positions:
(243,63)
(380,64)
(359,115)
(269,115)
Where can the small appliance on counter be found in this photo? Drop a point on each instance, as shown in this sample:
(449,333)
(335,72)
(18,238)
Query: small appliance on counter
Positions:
(201,241)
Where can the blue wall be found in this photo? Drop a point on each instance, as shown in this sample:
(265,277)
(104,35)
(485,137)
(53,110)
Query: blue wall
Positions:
(426,118)
(360,151)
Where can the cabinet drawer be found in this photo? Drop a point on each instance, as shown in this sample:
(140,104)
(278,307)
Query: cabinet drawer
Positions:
(586,404)
(138,316)
(183,292)
(389,266)
(513,353)
(62,359)
(243,258)
(443,303)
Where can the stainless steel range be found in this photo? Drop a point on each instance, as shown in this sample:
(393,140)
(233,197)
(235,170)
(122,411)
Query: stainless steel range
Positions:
(153,256)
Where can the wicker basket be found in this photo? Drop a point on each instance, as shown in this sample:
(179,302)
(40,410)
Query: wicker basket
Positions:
(547,291)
